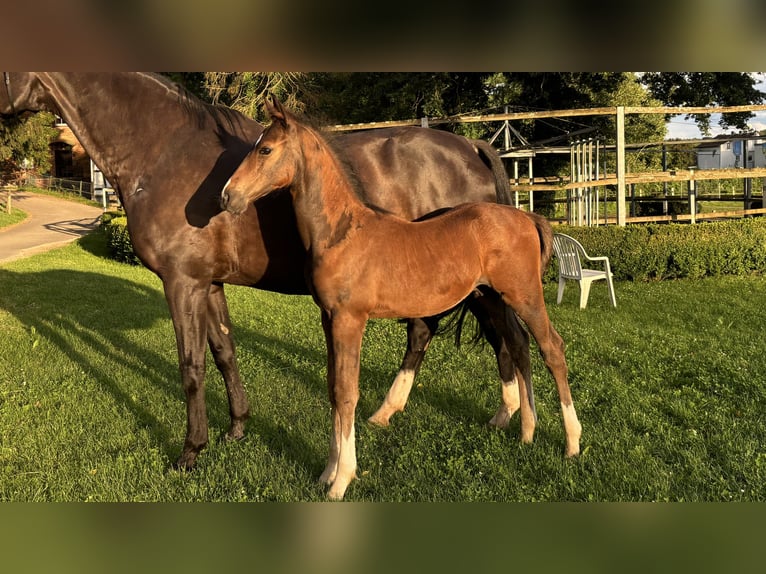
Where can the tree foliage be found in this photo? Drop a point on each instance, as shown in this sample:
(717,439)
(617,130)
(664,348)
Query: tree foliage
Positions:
(382,96)
(704,89)
(26,139)
(247,91)
(379,96)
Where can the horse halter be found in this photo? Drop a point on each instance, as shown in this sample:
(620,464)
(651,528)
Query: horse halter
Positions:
(7,81)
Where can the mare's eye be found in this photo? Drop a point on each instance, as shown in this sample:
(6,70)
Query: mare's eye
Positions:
(264,151)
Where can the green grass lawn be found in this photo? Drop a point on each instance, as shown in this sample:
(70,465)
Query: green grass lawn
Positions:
(669,388)
(8,219)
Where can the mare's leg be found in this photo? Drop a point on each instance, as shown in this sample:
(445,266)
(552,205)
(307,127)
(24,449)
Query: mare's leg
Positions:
(531,309)
(344,333)
(510,343)
(222,347)
(188,303)
(489,310)
(518,341)
(419,335)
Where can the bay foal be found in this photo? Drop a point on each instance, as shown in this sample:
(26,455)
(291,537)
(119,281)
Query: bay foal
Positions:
(363,264)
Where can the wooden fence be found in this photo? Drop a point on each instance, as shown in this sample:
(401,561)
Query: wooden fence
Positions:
(582,185)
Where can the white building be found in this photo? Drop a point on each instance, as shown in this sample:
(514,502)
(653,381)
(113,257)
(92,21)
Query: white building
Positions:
(726,152)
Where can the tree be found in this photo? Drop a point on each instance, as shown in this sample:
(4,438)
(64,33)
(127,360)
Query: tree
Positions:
(704,89)
(247,91)
(382,96)
(26,139)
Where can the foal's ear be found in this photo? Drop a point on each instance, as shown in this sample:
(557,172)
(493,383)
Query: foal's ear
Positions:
(275,110)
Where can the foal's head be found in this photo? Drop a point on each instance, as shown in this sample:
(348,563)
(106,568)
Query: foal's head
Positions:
(272,164)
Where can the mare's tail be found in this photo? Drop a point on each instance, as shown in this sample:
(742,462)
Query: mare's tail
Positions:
(491,159)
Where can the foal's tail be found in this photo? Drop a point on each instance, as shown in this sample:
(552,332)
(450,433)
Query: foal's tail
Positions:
(545,233)
(491,159)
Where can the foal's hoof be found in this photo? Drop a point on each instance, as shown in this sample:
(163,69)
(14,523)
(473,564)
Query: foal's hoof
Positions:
(500,420)
(573,451)
(379,420)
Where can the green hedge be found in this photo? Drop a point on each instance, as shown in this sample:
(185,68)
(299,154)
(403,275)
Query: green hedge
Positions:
(672,251)
(115,226)
(636,252)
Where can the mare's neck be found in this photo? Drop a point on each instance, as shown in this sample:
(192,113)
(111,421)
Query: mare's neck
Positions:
(127,123)
(326,206)
(100,109)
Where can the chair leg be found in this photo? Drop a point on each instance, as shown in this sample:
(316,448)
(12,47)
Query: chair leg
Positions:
(560,295)
(584,292)
(611,290)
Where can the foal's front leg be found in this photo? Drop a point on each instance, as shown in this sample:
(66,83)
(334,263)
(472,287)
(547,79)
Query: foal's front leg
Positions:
(343,333)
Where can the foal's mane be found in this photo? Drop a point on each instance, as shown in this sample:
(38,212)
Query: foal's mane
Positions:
(329,139)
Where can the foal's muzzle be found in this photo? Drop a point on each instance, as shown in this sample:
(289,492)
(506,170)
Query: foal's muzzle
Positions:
(224,199)
(232,203)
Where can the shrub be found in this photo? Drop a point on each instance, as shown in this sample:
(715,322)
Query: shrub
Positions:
(639,252)
(118,241)
(674,251)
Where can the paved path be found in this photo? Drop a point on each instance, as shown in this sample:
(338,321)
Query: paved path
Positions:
(50,223)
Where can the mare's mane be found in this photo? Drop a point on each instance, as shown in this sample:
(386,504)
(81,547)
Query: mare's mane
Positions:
(226,119)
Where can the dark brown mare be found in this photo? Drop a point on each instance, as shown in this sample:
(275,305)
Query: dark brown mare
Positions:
(168,155)
(364,264)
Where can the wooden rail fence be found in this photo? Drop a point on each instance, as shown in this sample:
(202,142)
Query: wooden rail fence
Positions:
(621,179)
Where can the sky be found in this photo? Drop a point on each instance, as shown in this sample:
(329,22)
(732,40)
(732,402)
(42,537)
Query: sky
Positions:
(678,128)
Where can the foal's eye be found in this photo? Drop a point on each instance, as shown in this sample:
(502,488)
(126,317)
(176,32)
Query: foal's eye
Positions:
(264,151)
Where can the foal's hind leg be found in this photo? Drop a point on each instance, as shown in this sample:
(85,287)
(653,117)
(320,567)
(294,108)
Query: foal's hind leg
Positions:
(531,310)
(221,345)
(419,335)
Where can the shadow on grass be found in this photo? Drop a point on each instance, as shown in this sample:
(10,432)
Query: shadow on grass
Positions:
(69,309)
(88,317)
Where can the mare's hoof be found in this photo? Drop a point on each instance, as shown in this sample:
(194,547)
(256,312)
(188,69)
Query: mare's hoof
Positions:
(234,435)
(186,461)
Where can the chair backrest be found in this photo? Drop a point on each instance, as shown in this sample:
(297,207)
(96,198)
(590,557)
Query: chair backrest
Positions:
(568,250)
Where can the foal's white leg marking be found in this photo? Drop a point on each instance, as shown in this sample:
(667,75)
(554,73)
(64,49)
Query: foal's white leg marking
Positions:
(573,429)
(396,398)
(346,466)
(510,404)
(328,476)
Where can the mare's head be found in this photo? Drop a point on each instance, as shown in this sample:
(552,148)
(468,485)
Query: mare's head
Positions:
(272,164)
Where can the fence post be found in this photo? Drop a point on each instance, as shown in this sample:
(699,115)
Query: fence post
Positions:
(621,219)
(531,182)
(693,200)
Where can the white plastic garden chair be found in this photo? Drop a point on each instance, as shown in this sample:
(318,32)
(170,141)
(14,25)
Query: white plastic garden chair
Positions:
(570,254)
